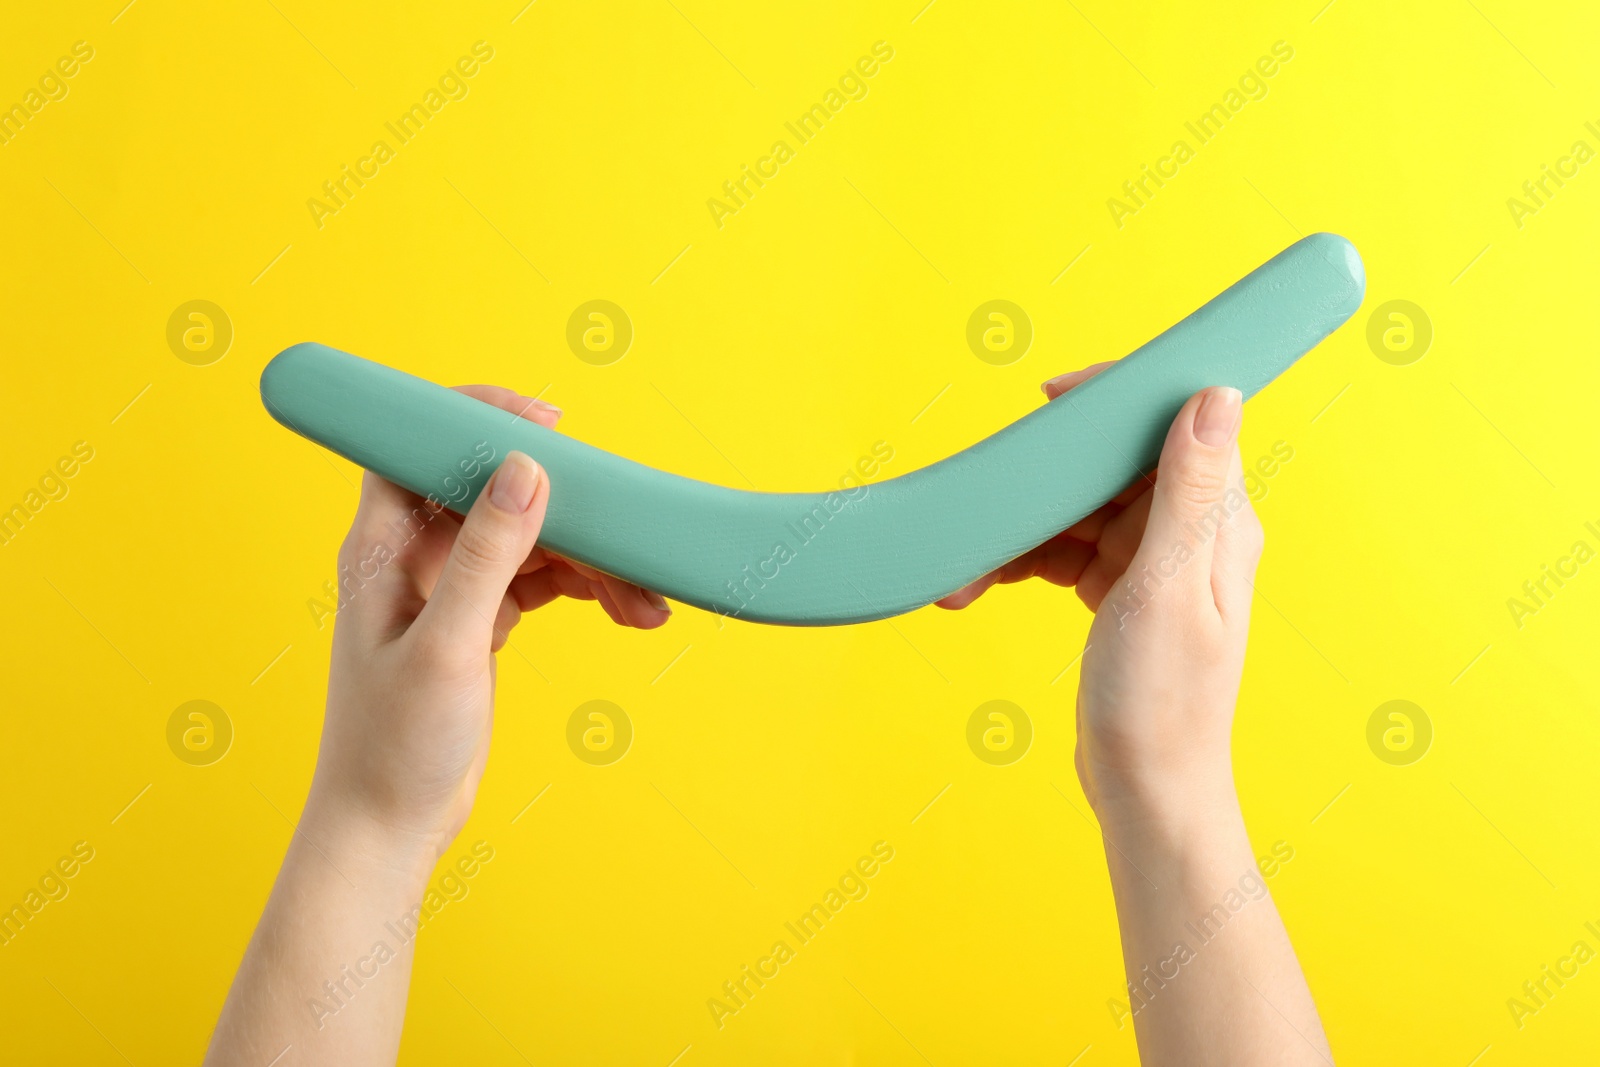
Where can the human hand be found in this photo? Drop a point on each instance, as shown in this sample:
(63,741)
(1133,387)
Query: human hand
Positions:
(411,688)
(1165,652)
(1167,567)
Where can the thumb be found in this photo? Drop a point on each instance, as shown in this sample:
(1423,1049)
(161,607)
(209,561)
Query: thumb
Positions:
(1189,503)
(498,533)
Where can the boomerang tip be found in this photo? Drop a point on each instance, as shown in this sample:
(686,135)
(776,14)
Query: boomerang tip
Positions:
(278,379)
(274,370)
(1343,257)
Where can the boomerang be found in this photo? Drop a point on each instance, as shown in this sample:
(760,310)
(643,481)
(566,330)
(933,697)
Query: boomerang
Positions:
(854,554)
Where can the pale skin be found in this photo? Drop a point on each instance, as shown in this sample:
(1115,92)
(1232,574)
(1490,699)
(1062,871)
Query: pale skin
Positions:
(405,739)
(410,706)
(1160,678)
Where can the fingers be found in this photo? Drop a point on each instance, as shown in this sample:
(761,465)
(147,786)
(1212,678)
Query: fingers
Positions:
(1089,528)
(537,559)
(625,603)
(532,591)
(635,606)
(1059,561)
(1098,578)
(498,533)
(1193,497)
(1063,382)
(537,589)
(969,592)
(1139,485)
(524,407)
(1120,538)
(1114,553)
(608,604)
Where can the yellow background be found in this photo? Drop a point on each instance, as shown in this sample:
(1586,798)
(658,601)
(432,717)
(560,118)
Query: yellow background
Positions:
(821,318)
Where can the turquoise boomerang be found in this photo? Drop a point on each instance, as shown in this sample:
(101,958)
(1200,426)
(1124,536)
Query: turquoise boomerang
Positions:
(850,555)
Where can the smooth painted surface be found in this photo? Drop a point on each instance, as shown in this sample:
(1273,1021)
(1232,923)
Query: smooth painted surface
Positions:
(850,555)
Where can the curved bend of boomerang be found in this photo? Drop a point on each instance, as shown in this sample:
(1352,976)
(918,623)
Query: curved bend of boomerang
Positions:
(851,555)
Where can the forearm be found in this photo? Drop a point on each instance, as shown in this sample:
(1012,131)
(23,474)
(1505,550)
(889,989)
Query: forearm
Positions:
(328,967)
(1212,976)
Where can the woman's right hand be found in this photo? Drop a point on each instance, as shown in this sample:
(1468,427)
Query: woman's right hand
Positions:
(1167,568)
(1165,654)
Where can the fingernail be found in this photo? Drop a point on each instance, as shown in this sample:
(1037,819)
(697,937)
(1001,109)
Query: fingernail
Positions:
(657,601)
(1218,418)
(511,488)
(533,404)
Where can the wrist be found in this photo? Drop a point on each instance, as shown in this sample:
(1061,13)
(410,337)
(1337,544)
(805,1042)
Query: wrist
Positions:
(1167,808)
(355,840)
